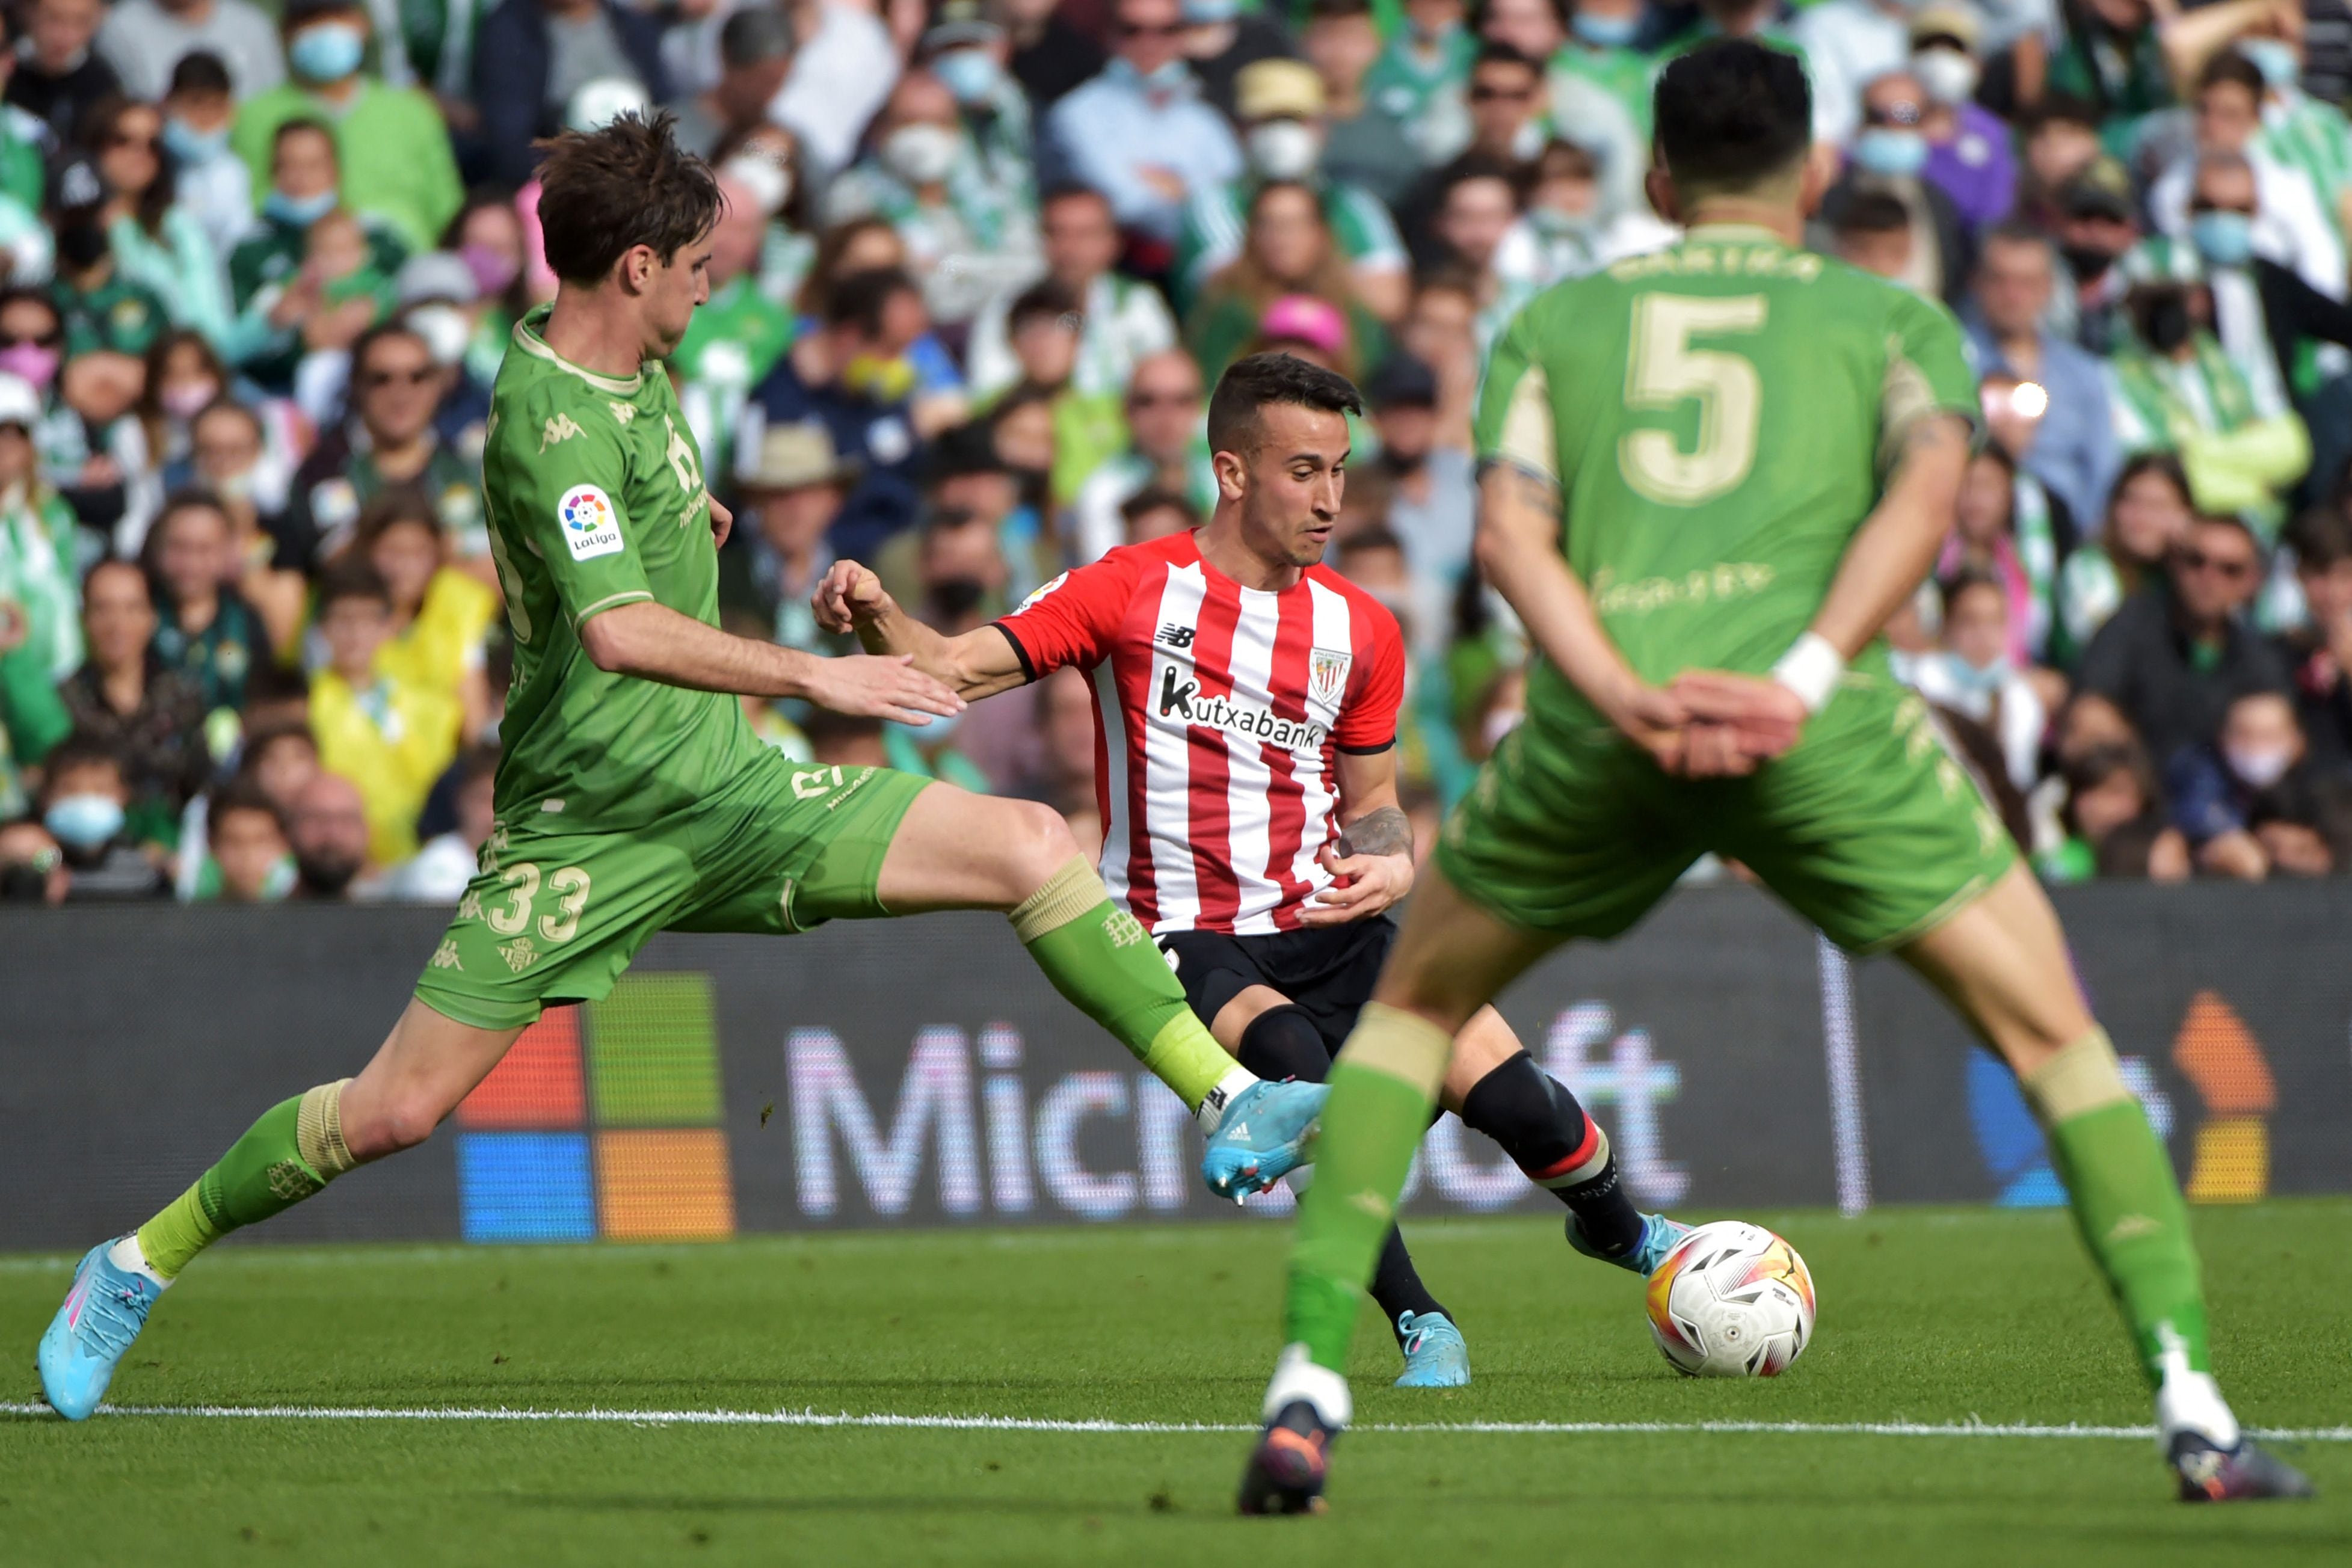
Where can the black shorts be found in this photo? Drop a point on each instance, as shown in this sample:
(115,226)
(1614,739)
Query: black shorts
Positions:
(1328,970)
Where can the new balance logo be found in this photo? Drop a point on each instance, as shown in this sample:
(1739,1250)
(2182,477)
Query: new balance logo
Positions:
(1175,636)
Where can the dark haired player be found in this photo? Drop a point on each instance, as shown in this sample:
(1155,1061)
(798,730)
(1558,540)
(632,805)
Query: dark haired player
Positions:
(631,796)
(1245,706)
(1711,474)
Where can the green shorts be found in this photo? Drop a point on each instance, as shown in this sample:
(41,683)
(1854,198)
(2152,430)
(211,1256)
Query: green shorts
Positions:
(555,916)
(1869,828)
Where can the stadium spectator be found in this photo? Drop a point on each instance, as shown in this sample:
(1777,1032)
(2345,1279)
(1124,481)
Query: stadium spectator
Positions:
(736,339)
(1979,675)
(156,243)
(387,732)
(2319,653)
(390,145)
(2178,652)
(1140,132)
(39,542)
(1432,504)
(2073,449)
(32,867)
(388,443)
(1969,154)
(151,716)
(2114,821)
(792,488)
(841,70)
(1888,158)
(212,185)
(205,631)
(1168,450)
(85,800)
(1122,321)
(280,758)
(755,55)
(280,290)
(2004,530)
(146,40)
(57,76)
(250,861)
(2296,223)
(534,57)
(1505,129)
(2145,518)
(327,828)
(855,377)
(1366,142)
(440,615)
(1285,133)
(1476,210)
(445,863)
(1154,513)
(1849,46)
(2250,804)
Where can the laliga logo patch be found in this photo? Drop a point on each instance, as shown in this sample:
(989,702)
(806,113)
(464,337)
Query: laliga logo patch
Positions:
(591,526)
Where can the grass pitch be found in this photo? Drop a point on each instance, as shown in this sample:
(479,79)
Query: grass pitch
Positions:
(1927,1318)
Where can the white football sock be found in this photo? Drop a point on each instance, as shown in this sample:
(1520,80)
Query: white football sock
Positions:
(1296,1377)
(126,1256)
(2190,1401)
(1229,1088)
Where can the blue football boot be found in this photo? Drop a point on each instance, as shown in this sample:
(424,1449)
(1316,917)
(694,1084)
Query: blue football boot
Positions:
(1265,1135)
(1434,1353)
(1659,1235)
(102,1314)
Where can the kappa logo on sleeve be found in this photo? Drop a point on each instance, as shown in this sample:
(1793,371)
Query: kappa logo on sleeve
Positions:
(591,526)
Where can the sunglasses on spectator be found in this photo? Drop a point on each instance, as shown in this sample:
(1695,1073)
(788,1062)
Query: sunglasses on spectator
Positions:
(1904,114)
(44,340)
(2201,206)
(1161,400)
(1490,93)
(2220,566)
(416,378)
(1151,29)
(126,138)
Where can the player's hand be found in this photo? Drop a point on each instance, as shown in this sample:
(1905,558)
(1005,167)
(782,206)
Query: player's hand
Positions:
(1737,721)
(1655,721)
(881,685)
(722,521)
(848,597)
(1362,888)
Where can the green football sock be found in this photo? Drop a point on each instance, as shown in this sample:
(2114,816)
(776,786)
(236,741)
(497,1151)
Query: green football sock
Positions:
(1102,958)
(295,1149)
(1382,1088)
(2127,1202)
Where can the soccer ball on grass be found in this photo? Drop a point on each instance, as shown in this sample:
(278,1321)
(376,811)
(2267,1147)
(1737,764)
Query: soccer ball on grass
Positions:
(1732,1300)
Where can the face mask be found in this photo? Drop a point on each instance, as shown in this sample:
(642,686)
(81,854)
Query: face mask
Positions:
(300,211)
(83,822)
(1208,13)
(189,399)
(326,52)
(1553,224)
(1948,75)
(494,270)
(1883,149)
(957,597)
(2164,321)
(37,363)
(1284,149)
(189,145)
(2087,263)
(921,154)
(1605,32)
(446,331)
(1527,141)
(2258,766)
(2224,239)
(327,871)
(1974,681)
(234,486)
(81,245)
(970,74)
(2275,57)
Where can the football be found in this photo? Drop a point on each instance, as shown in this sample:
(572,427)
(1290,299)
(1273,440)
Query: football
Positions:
(1732,1300)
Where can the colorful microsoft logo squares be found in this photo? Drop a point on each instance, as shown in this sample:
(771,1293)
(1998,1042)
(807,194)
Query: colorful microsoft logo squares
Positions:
(653,1166)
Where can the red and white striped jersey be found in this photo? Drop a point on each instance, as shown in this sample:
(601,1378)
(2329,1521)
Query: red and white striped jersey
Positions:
(1219,711)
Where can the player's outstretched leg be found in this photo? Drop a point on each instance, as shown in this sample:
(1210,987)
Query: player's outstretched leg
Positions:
(1281,1039)
(2001,961)
(959,851)
(299,1146)
(1496,1087)
(1450,958)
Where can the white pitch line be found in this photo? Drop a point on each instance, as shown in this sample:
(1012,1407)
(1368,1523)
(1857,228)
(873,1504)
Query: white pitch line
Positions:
(1040,1424)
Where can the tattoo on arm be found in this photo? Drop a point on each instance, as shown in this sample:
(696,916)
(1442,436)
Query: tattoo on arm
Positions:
(1534,491)
(1387,832)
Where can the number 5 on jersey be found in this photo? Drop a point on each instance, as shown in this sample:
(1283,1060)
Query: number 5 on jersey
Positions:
(1662,371)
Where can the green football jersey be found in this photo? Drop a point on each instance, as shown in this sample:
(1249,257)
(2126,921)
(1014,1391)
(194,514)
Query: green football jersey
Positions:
(594,493)
(1720,417)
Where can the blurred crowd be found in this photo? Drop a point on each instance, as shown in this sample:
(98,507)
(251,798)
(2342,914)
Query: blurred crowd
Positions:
(979,261)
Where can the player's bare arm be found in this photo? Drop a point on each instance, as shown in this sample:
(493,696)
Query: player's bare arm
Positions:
(655,643)
(1891,553)
(979,663)
(1372,861)
(1517,548)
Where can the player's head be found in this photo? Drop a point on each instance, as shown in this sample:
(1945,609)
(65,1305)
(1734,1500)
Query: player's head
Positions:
(626,209)
(1734,120)
(1278,438)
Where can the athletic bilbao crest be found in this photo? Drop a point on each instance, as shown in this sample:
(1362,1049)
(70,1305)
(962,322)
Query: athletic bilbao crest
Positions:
(1326,676)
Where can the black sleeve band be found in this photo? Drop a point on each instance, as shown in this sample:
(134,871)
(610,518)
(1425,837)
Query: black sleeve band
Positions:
(1370,750)
(1028,670)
